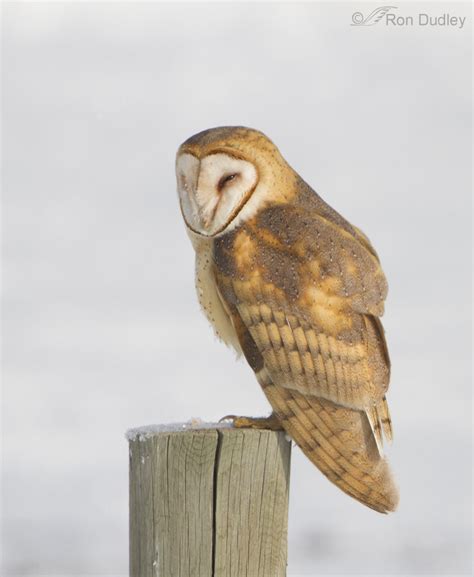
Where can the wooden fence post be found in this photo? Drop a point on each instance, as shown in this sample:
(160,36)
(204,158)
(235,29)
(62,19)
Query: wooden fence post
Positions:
(208,502)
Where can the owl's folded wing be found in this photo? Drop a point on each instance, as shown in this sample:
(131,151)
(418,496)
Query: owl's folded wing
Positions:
(310,307)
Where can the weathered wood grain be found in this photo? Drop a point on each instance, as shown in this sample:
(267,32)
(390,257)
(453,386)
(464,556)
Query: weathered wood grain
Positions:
(209,503)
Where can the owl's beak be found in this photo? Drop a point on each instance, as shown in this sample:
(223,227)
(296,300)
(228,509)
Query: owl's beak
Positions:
(208,216)
(203,208)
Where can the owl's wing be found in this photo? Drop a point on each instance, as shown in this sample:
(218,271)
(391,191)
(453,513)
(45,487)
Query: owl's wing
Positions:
(304,299)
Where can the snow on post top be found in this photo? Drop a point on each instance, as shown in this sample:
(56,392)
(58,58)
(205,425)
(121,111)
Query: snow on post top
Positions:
(141,433)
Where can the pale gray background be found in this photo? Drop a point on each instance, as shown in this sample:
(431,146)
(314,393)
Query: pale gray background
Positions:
(102,331)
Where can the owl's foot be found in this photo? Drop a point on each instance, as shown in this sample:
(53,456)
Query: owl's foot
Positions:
(272,422)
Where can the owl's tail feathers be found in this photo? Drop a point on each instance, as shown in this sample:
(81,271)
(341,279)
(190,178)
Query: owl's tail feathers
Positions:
(380,422)
(340,443)
(386,420)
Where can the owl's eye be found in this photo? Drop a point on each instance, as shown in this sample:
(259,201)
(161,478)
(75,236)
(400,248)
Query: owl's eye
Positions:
(225,180)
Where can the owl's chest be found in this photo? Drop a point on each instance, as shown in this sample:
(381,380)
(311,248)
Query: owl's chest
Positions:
(208,295)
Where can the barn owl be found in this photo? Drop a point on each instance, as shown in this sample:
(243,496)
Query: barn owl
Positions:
(289,283)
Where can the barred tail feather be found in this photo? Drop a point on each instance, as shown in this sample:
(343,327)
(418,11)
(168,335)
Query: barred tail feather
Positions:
(340,442)
(374,421)
(385,419)
(380,422)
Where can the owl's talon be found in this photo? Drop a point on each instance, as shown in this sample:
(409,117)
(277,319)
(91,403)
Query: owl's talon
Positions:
(230,418)
(272,422)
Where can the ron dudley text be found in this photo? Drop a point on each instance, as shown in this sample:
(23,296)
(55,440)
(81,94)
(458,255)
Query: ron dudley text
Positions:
(442,20)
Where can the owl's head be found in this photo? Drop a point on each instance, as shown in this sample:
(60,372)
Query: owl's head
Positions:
(225,175)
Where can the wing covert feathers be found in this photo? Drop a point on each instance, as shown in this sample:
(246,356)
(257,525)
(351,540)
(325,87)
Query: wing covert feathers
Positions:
(340,443)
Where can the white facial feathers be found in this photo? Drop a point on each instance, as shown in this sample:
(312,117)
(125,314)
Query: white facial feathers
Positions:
(213,190)
(187,173)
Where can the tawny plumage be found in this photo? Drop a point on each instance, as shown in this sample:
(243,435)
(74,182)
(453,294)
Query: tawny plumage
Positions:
(288,282)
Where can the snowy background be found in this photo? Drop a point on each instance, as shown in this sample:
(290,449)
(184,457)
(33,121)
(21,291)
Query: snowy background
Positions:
(99,304)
